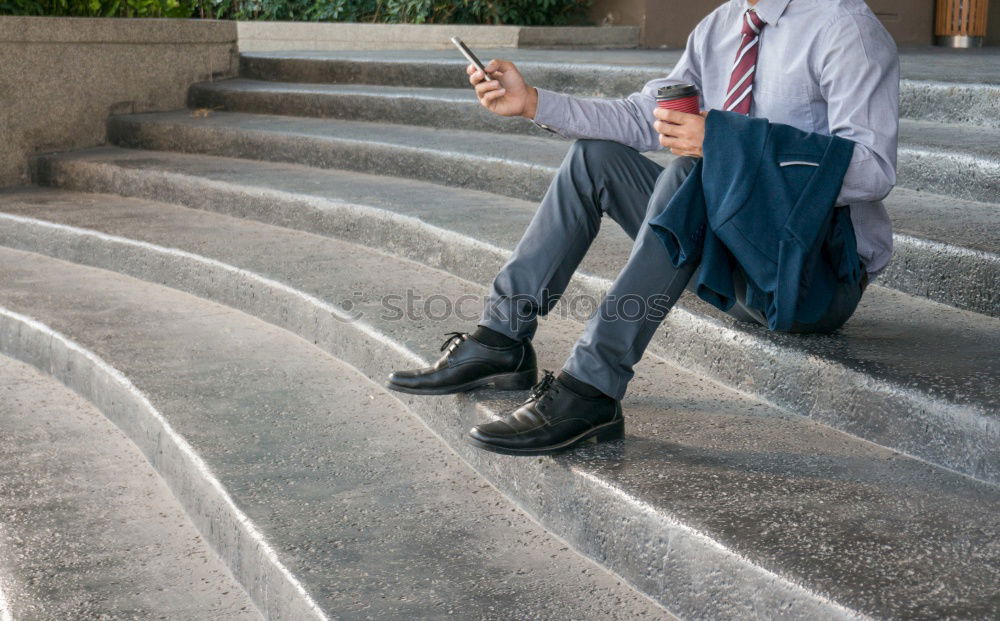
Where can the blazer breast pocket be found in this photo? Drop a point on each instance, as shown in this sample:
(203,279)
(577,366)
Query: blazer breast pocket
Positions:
(797,170)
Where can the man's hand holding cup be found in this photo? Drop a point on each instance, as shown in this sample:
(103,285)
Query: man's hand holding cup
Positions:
(679,122)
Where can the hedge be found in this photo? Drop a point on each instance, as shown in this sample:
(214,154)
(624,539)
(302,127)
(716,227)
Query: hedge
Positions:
(519,12)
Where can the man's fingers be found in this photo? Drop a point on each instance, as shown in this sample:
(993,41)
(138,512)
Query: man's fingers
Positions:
(484,87)
(476,77)
(492,96)
(470,69)
(668,129)
(498,64)
(672,143)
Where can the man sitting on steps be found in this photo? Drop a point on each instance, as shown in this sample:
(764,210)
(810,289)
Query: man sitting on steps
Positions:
(822,66)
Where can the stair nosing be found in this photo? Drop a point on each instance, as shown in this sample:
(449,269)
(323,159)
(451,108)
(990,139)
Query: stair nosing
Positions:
(946,411)
(595,282)
(664,517)
(194,465)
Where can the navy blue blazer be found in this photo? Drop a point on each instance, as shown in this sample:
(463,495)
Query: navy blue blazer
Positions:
(762,198)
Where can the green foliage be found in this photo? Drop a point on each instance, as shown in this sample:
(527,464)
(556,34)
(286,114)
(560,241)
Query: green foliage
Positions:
(100,8)
(521,12)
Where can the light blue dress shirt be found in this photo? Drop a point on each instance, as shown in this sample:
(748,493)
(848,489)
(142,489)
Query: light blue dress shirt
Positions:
(825,66)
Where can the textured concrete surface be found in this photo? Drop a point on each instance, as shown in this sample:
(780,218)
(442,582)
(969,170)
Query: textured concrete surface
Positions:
(875,371)
(61,77)
(950,159)
(431,107)
(363,504)
(944,158)
(716,504)
(945,249)
(938,85)
(944,271)
(521,166)
(515,166)
(916,63)
(88,530)
(258,36)
(762,513)
(518,166)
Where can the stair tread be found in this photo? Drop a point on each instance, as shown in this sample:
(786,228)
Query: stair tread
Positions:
(365,506)
(463,95)
(82,517)
(959,87)
(953,221)
(965,66)
(887,338)
(975,142)
(823,509)
(978,143)
(543,151)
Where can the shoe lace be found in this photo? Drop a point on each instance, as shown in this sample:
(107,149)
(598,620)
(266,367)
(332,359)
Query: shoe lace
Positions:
(452,337)
(542,388)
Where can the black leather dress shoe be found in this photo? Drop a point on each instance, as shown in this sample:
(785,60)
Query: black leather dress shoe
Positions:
(553,419)
(468,364)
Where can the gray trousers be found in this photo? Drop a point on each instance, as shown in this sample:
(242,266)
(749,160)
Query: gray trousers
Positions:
(598,178)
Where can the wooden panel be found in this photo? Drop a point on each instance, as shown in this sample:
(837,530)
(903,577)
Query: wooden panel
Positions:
(961,18)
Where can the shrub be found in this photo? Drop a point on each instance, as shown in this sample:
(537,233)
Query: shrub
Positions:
(520,12)
(100,8)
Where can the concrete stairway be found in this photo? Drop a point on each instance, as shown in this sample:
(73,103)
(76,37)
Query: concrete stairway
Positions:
(88,530)
(324,496)
(764,475)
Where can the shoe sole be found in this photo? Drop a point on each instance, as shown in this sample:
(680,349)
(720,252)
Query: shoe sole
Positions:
(501,381)
(615,430)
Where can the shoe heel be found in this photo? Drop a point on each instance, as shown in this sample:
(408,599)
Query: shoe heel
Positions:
(615,431)
(515,381)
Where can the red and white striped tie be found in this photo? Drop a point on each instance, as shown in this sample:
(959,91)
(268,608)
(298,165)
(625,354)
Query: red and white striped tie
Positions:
(740,93)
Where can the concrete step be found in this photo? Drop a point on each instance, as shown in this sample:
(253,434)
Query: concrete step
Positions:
(945,249)
(716,504)
(87,528)
(928,159)
(873,379)
(959,160)
(959,87)
(429,107)
(947,159)
(519,167)
(514,166)
(326,497)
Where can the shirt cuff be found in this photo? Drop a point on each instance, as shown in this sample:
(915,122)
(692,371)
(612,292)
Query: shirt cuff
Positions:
(551,112)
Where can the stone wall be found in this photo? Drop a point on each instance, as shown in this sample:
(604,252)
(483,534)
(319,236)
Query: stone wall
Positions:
(277,36)
(60,78)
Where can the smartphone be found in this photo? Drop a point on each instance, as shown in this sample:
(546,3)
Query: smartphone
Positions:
(472,58)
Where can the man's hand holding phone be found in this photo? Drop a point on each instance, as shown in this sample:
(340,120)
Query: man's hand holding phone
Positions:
(504,90)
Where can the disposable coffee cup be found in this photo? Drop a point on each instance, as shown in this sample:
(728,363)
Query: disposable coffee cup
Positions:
(680,97)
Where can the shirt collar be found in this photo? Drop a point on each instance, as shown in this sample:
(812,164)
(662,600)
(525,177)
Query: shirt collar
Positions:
(769,10)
